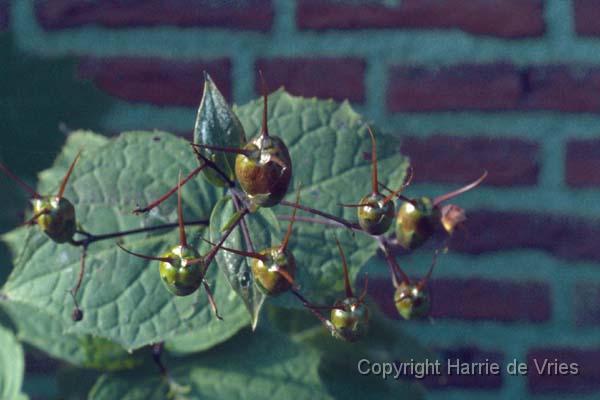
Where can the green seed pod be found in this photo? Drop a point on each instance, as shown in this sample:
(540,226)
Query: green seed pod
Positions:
(265,170)
(375,214)
(179,277)
(416,221)
(56,217)
(412,301)
(350,319)
(275,273)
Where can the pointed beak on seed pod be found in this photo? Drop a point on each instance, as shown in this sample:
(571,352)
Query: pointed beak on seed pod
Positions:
(350,316)
(264,166)
(375,212)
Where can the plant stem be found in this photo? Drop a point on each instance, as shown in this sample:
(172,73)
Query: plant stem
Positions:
(91,238)
(342,221)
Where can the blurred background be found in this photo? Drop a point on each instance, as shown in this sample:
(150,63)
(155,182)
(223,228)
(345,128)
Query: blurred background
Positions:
(511,86)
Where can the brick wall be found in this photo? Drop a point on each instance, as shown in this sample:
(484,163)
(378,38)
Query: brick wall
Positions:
(511,86)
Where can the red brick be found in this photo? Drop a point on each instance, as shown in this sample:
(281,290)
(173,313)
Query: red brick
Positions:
(562,88)
(476,299)
(486,87)
(337,78)
(504,18)
(240,14)
(451,159)
(4,14)
(587,380)
(587,303)
(157,81)
(582,167)
(566,237)
(587,15)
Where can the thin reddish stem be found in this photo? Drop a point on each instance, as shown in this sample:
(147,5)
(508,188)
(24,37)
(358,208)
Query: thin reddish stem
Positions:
(347,285)
(242,253)
(223,149)
(33,219)
(342,221)
(448,196)
(286,239)
(145,257)
(164,197)
(63,185)
(398,195)
(20,182)
(213,252)
(182,238)
(211,300)
(395,269)
(426,278)
(361,299)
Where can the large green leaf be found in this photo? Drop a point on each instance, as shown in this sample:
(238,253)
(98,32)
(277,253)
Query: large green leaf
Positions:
(12,365)
(46,333)
(217,125)
(263,365)
(122,296)
(265,233)
(327,142)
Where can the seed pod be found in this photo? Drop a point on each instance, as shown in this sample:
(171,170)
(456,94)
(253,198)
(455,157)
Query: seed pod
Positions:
(418,219)
(182,268)
(268,271)
(265,171)
(181,278)
(55,215)
(275,271)
(350,316)
(273,268)
(263,167)
(412,301)
(351,319)
(375,212)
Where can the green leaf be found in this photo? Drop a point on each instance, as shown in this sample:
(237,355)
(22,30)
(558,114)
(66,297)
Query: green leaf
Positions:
(327,142)
(262,365)
(122,296)
(264,229)
(46,333)
(217,125)
(12,365)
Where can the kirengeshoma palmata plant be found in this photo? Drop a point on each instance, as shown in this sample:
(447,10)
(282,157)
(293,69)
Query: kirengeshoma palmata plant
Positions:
(267,271)
(417,219)
(350,315)
(376,212)
(181,268)
(263,167)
